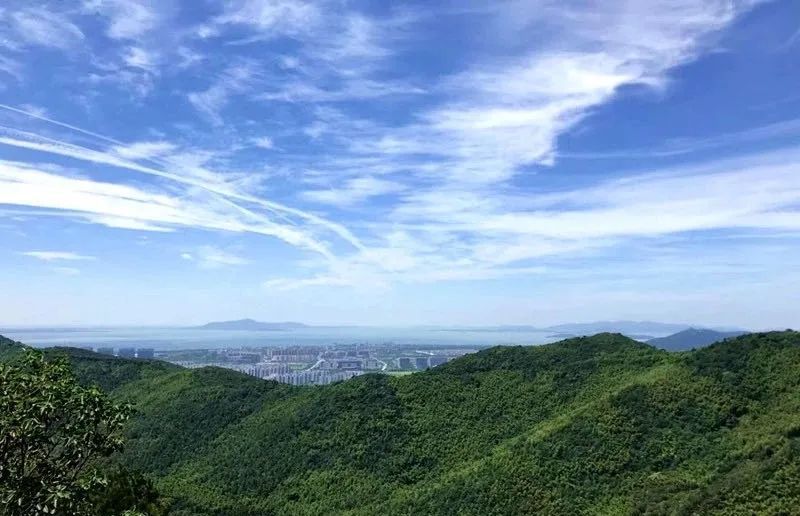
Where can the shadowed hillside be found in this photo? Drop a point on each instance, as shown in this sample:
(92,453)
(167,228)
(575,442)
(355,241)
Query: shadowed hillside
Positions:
(9,348)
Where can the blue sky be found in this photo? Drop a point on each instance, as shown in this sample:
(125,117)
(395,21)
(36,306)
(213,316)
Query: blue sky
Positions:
(521,162)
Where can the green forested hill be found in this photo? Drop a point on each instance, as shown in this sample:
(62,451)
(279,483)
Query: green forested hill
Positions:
(597,425)
(9,348)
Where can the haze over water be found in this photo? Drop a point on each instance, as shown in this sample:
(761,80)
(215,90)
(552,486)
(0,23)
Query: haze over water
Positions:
(193,338)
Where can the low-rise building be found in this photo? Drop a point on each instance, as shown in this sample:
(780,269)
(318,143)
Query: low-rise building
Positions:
(349,364)
(437,360)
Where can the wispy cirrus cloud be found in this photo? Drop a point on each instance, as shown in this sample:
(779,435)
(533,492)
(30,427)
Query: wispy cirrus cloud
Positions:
(777,131)
(121,206)
(340,55)
(203,182)
(270,19)
(423,173)
(37,111)
(10,67)
(30,27)
(452,167)
(137,57)
(263,142)
(502,115)
(144,150)
(440,236)
(354,191)
(234,80)
(49,256)
(125,20)
(36,26)
(211,257)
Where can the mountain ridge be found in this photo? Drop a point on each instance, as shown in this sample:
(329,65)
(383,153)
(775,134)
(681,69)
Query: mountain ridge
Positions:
(692,338)
(600,424)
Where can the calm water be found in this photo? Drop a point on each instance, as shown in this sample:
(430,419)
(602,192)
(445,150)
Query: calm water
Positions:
(190,338)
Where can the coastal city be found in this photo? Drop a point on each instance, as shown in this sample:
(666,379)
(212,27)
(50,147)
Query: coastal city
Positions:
(305,365)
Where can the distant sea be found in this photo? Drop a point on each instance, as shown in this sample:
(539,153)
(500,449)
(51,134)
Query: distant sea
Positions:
(165,339)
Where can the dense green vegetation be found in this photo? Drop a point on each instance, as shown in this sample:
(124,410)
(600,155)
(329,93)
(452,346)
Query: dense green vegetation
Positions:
(10,349)
(593,425)
(53,432)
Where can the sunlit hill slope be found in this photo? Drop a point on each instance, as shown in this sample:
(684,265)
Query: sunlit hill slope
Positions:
(593,425)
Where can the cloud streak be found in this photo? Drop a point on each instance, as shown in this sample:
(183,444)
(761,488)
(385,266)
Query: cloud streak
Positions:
(198,178)
(385,173)
(122,206)
(211,257)
(49,256)
(443,237)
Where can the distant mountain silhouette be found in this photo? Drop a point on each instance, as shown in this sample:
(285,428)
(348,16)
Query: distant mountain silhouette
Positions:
(630,328)
(692,338)
(250,324)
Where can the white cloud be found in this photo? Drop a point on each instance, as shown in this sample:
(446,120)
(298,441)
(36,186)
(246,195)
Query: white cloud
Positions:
(443,236)
(209,203)
(126,19)
(144,150)
(272,18)
(234,80)
(144,43)
(507,114)
(263,142)
(359,88)
(11,67)
(137,57)
(339,54)
(210,257)
(134,69)
(446,173)
(680,146)
(38,26)
(206,182)
(34,110)
(128,223)
(24,28)
(121,206)
(355,191)
(189,57)
(452,167)
(57,255)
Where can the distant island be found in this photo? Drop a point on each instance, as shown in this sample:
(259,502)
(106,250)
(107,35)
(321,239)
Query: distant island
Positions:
(634,336)
(630,328)
(638,330)
(252,325)
(692,338)
(562,336)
